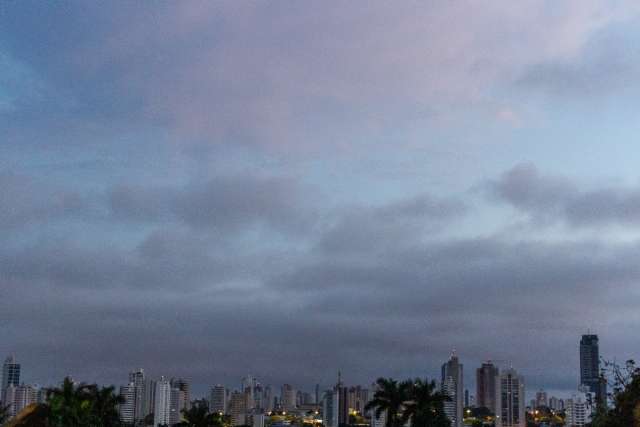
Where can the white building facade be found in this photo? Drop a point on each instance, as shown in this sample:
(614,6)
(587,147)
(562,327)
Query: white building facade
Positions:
(510,405)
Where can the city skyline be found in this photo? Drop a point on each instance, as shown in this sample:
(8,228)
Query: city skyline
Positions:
(450,382)
(210,189)
(500,391)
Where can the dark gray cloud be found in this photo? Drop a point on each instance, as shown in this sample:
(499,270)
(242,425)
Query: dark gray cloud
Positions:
(394,224)
(373,290)
(220,203)
(549,199)
(396,313)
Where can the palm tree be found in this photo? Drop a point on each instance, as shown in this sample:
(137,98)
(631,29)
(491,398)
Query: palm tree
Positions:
(69,405)
(104,406)
(389,398)
(425,406)
(198,416)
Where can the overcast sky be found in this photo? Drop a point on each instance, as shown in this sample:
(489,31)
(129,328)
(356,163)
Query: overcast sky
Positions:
(210,189)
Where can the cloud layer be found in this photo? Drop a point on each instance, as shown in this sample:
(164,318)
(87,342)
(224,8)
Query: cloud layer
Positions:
(215,189)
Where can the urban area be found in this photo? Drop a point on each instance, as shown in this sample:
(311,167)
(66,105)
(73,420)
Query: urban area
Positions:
(499,398)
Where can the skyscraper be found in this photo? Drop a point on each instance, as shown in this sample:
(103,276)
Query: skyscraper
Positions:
(510,404)
(175,414)
(330,408)
(10,372)
(288,397)
(238,408)
(576,411)
(149,397)
(268,398)
(127,408)
(10,376)
(590,368)
(452,385)
(218,399)
(162,406)
(136,379)
(184,394)
(25,395)
(486,377)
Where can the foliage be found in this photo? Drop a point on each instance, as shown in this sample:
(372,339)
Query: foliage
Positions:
(625,394)
(425,407)
(83,405)
(389,399)
(414,401)
(4,413)
(199,416)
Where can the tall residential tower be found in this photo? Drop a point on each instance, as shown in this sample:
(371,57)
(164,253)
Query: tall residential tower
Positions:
(510,404)
(590,369)
(486,376)
(452,385)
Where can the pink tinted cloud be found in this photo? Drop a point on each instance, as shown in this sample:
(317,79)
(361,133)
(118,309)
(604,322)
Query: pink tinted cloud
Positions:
(301,72)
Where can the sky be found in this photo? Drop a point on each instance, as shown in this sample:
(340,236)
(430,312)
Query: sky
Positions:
(288,189)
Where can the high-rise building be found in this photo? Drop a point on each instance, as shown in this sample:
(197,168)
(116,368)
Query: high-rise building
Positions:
(136,379)
(258,397)
(268,399)
(10,376)
(249,386)
(8,400)
(127,408)
(486,377)
(288,397)
(238,408)
(590,369)
(357,399)
(577,413)
(510,406)
(162,406)
(330,410)
(25,395)
(452,385)
(218,399)
(19,397)
(176,402)
(184,396)
(541,398)
(343,404)
(149,397)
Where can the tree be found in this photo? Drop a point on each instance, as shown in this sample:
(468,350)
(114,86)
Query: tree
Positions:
(69,405)
(199,416)
(104,406)
(625,395)
(389,398)
(4,414)
(83,405)
(425,405)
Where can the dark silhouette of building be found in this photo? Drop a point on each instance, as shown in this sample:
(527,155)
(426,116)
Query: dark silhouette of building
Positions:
(590,377)
(486,377)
